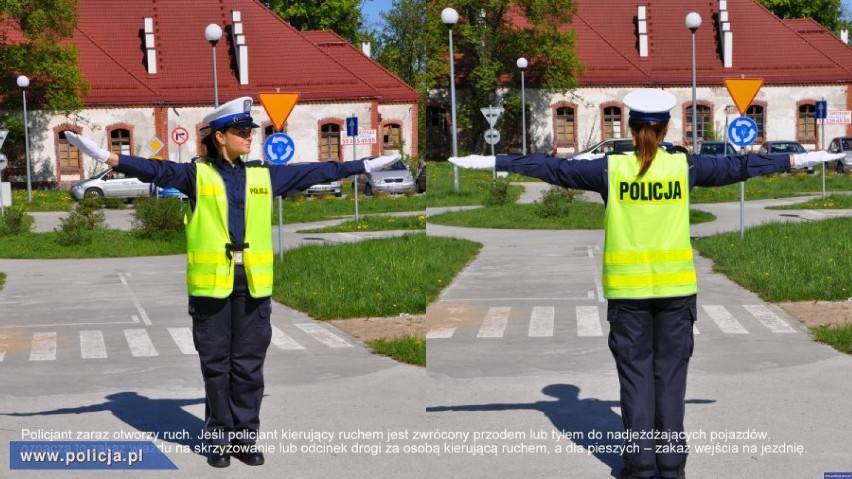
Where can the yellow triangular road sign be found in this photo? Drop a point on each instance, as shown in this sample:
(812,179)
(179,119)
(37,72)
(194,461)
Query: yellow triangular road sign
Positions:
(743,91)
(278,106)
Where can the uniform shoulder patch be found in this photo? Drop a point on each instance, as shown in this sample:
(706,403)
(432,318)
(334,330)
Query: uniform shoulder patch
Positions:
(256,164)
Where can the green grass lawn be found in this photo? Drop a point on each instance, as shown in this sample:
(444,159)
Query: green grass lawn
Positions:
(378,277)
(579,215)
(408,349)
(773,186)
(831,202)
(106,243)
(374,223)
(787,261)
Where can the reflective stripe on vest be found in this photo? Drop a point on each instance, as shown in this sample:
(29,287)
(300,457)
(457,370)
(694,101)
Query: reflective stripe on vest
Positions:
(647,251)
(209,271)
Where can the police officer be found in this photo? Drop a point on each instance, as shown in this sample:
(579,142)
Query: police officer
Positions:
(229,262)
(649,276)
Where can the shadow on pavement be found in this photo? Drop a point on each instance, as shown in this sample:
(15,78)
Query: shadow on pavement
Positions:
(573,417)
(163,417)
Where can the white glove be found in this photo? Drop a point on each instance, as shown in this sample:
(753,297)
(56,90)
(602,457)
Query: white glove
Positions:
(474,161)
(807,160)
(87,146)
(380,162)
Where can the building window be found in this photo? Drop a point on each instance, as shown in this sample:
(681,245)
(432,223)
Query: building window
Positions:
(612,125)
(705,123)
(563,126)
(757,113)
(806,123)
(392,136)
(69,156)
(330,142)
(268,131)
(119,141)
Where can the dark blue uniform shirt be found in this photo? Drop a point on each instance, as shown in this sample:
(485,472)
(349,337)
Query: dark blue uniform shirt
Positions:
(286,179)
(593,175)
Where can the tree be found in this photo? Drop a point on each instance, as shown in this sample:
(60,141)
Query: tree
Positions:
(828,13)
(410,45)
(30,45)
(342,16)
(489,38)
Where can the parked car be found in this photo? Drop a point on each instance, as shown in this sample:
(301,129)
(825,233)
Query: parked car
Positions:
(613,145)
(395,179)
(110,184)
(318,189)
(783,147)
(716,148)
(841,144)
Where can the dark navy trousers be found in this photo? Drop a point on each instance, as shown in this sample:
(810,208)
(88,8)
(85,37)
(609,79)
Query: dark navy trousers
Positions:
(231,336)
(651,341)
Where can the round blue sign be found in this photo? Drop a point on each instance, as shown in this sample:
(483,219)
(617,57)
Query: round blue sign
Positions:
(279,148)
(742,131)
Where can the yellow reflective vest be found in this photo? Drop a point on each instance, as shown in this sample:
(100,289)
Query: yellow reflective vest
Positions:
(209,268)
(647,250)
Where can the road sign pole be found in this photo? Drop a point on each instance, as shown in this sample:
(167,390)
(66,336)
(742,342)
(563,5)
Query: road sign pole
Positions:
(355,187)
(280,229)
(491,113)
(352,132)
(822,148)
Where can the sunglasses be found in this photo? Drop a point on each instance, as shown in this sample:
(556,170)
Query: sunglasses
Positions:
(241,132)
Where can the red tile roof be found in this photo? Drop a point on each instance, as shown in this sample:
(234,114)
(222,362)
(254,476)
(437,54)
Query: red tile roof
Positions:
(112,56)
(391,87)
(764,45)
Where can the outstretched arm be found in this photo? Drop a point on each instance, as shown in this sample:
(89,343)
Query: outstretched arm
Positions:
(589,175)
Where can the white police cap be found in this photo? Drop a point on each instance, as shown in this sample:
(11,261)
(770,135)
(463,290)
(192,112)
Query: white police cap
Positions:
(650,104)
(235,113)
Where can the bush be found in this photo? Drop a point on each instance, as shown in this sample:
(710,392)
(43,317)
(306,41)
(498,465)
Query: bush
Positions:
(157,217)
(16,221)
(113,203)
(555,201)
(79,226)
(499,194)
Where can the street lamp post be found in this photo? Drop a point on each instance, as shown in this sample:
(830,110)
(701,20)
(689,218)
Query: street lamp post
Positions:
(213,33)
(693,21)
(522,64)
(24,82)
(449,16)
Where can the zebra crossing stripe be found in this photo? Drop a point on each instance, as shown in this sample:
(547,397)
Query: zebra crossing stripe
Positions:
(183,339)
(726,322)
(768,318)
(322,335)
(541,322)
(695,329)
(3,343)
(440,333)
(92,345)
(139,342)
(283,341)
(494,324)
(588,321)
(43,347)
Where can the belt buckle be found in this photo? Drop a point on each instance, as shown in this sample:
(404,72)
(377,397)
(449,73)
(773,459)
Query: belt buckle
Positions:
(238,257)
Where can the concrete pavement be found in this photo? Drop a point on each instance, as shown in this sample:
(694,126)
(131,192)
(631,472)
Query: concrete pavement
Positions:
(101,345)
(518,343)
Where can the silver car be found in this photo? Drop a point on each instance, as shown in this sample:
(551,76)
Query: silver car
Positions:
(841,144)
(110,184)
(395,179)
(613,145)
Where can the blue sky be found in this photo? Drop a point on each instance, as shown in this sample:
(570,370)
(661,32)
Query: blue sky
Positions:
(372,8)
